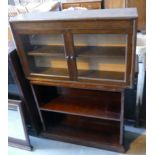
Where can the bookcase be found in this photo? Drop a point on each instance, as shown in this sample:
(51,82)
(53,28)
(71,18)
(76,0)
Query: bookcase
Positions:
(19,89)
(78,64)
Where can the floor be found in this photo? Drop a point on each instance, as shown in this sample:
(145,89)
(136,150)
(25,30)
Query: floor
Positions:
(134,136)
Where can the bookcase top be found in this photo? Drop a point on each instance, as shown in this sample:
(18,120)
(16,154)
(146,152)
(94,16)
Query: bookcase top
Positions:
(123,13)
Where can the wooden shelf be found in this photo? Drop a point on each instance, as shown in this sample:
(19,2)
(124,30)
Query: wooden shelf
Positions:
(49,71)
(81,51)
(80,87)
(54,51)
(98,52)
(94,74)
(94,107)
(87,131)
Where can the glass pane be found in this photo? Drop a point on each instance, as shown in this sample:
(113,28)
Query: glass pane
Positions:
(13,90)
(101,56)
(45,54)
(15,124)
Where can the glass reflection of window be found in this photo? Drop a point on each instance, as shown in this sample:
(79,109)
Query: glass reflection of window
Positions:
(101,56)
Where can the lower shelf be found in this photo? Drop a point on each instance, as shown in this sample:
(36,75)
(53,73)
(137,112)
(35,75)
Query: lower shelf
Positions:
(62,72)
(80,130)
(94,74)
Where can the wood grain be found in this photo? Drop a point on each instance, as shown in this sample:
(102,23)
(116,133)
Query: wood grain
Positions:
(141,7)
(86,131)
(106,105)
(108,4)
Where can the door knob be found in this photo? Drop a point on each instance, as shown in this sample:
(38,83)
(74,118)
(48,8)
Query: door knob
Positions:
(72,57)
(67,57)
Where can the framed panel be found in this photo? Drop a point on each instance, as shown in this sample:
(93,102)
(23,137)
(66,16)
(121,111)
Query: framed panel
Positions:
(17,133)
(95,24)
(44,55)
(101,56)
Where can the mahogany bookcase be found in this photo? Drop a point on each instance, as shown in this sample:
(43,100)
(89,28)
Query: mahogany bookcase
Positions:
(78,64)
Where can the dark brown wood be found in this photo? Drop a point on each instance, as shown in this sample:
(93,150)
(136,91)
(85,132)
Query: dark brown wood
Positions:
(80,116)
(23,60)
(86,131)
(69,48)
(81,51)
(100,75)
(70,27)
(36,100)
(84,51)
(134,56)
(25,93)
(105,105)
(83,106)
(83,84)
(50,71)
(121,140)
(129,60)
(120,26)
(54,51)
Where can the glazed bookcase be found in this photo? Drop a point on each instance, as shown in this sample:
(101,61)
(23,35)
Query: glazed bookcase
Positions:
(78,64)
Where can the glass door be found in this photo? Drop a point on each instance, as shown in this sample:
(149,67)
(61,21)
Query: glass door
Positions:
(101,56)
(46,55)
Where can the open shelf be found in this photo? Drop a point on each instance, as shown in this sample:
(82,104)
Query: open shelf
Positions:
(88,103)
(79,67)
(94,74)
(48,50)
(81,107)
(80,130)
(100,51)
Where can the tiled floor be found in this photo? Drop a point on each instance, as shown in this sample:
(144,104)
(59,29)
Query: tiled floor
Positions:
(137,141)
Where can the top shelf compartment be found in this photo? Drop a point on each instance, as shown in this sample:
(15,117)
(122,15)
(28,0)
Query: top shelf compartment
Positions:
(86,45)
(102,43)
(48,50)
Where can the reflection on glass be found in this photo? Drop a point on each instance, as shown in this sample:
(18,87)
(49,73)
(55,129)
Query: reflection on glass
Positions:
(17,131)
(45,54)
(101,56)
(12,86)
(15,125)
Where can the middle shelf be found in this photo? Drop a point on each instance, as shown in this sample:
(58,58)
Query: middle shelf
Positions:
(81,51)
(80,102)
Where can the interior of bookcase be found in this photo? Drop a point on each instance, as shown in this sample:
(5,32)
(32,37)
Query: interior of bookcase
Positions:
(89,103)
(79,129)
(80,114)
(98,56)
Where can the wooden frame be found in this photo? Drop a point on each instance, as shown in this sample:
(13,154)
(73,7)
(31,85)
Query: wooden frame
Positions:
(25,92)
(72,25)
(14,142)
(57,108)
(91,108)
